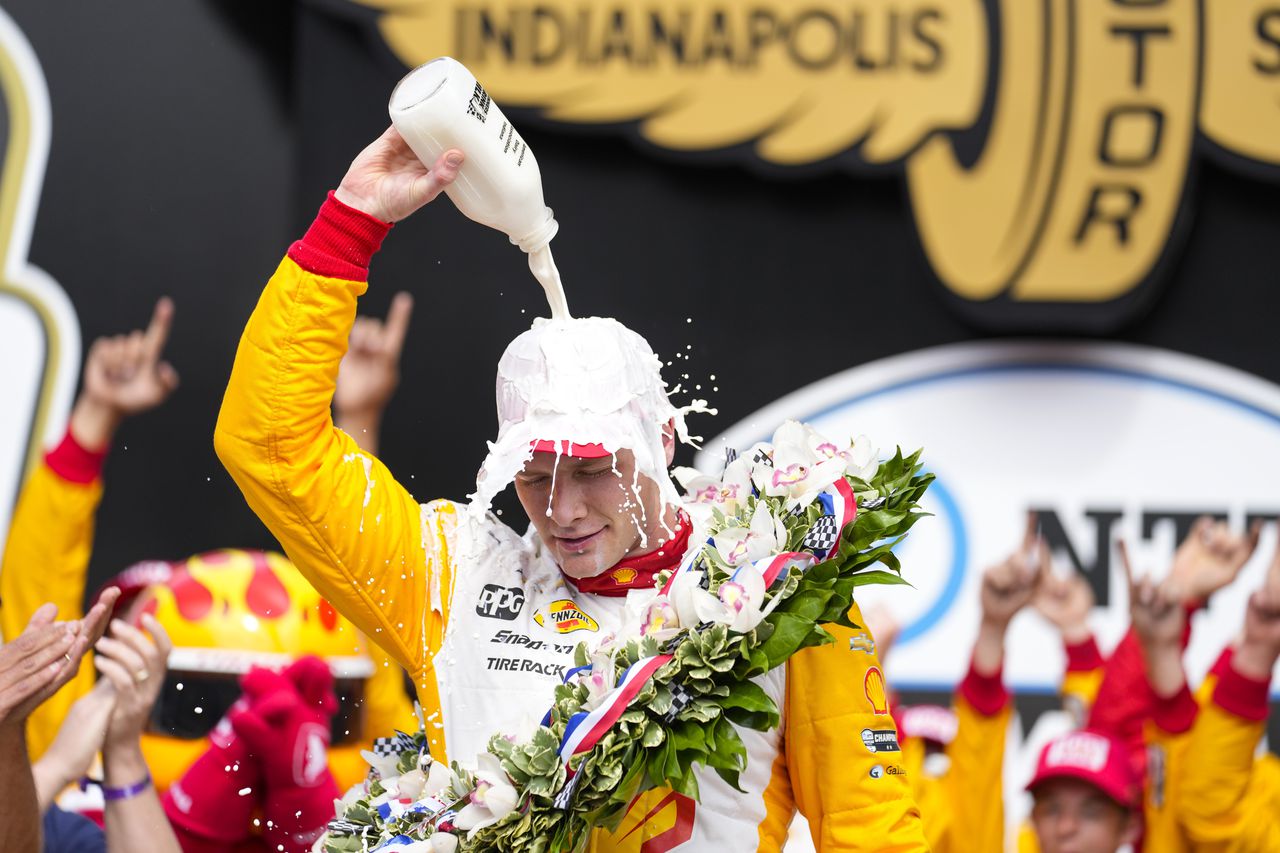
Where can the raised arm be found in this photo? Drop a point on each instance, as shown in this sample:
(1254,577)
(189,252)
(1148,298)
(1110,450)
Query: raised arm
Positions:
(46,556)
(348,526)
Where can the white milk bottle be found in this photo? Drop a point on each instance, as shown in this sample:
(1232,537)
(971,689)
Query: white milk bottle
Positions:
(439,106)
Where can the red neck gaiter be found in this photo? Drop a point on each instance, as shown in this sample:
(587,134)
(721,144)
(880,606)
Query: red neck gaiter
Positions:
(638,572)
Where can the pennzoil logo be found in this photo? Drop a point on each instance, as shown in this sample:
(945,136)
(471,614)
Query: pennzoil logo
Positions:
(1045,144)
(565,617)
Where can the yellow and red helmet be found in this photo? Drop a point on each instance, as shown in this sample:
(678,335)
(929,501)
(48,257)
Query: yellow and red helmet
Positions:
(227,611)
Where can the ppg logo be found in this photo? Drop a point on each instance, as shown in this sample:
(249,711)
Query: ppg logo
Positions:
(500,602)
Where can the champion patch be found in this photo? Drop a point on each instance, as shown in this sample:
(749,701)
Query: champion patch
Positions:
(564,617)
(880,740)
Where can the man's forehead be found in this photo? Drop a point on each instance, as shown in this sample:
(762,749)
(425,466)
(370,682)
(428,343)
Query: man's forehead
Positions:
(1067,788)
(544,462)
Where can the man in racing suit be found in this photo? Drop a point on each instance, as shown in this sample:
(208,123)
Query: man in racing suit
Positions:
(485,620)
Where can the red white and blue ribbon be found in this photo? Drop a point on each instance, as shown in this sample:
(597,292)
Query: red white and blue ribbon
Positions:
(585,728)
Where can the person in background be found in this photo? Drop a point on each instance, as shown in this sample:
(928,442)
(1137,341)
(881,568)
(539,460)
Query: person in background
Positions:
(1087,795)
(1065,601)
(33,666)
(53,523)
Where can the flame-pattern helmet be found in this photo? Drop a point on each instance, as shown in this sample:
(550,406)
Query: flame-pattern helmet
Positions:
(227,611)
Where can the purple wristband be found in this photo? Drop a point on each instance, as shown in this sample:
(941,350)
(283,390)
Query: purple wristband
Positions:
(125,793)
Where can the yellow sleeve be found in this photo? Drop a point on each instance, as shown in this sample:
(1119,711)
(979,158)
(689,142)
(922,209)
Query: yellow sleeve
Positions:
(1168,740)
(354,532)
(983,710)
(1217,800)
(46,558)
(842,751)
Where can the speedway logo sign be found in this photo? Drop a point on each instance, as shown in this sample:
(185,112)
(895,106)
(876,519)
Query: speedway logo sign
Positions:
(1045,144)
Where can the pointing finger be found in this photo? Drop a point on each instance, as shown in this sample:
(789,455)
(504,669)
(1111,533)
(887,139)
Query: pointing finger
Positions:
(397,326)
(158,330)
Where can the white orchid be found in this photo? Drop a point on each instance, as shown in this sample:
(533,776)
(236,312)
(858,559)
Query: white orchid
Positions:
(443,842)
(728,492)
(800,469)
(411,784)
(439,777)
(387,766)
(766,535)
(599,680)
(739,603)
(493,799)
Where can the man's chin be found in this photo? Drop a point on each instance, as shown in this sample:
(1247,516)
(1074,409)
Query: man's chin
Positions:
(583,565)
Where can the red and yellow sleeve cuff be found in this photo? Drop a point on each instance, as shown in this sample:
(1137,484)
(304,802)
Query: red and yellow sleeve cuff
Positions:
(340,243)
(1243,696)
(1084,656)
(986,694)
(74,463)
(1177,713)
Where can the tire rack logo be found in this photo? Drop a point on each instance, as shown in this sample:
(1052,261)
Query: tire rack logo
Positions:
(1045,145)
(564,617)
(500,602)
(39,332)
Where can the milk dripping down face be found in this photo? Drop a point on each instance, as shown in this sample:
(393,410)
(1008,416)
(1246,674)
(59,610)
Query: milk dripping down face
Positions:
(590,513)
(587,381)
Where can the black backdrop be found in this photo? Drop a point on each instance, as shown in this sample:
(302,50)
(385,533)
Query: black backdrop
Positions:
(193,140)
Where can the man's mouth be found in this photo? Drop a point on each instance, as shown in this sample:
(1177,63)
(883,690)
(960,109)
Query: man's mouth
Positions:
(578,544)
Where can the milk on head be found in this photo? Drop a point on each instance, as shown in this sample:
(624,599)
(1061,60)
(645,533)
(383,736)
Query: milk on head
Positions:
(439,106)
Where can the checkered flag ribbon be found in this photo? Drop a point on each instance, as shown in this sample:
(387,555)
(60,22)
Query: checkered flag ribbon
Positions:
(822,536)
(762,457)
(680,699)
(392,747)
(346,827)
(566,793)
(730,456)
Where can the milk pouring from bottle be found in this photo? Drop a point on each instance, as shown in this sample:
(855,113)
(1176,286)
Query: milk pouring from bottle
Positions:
(439,106)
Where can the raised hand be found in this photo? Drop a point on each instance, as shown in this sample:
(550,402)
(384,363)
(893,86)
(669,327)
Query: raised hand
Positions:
(79,739)
(1211,557)
(124,375)
(370,372)
(135,667)
(388,182)
(45,656)
(1065,601)
(1260,645)
(1007,587)
(1158,617)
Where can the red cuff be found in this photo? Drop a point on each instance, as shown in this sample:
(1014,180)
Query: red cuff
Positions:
(74,463)
(985,693)
(1243,696)
(340,243)
(1223,663)
(1176,714)
(1084,656)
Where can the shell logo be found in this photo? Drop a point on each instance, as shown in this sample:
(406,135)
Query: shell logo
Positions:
(564,617)
(873,687)
(622,577)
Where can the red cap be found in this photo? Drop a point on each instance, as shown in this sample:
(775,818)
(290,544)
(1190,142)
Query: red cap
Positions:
(581,451)
(1098,759)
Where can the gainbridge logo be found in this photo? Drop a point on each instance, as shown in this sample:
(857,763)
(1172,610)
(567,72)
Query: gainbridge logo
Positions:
(1046,144)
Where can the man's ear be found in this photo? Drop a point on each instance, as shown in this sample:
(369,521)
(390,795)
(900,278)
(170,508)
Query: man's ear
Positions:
(669,441)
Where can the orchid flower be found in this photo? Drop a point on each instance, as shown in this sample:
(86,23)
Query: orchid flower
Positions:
(386,766)
(599,680)
(411,784)
(493,799)
(439,777)
(766,535)
(443,842)
(742,597)
(727,493)
(800,468)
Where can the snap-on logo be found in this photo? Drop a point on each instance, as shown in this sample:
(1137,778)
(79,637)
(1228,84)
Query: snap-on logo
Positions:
(500,602)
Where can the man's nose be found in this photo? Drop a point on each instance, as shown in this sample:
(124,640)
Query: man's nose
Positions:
(567,504)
